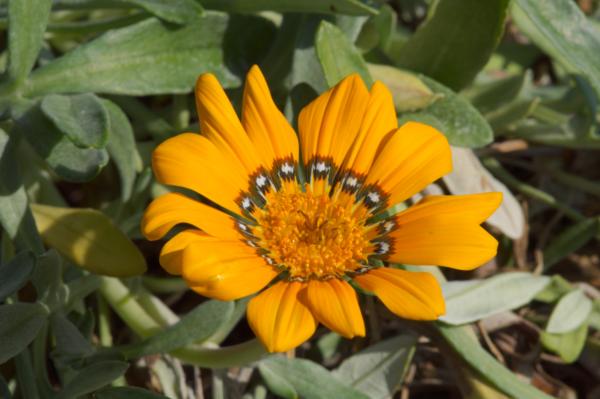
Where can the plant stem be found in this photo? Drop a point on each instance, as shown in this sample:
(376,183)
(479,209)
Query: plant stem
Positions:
(496,168)
(138,318)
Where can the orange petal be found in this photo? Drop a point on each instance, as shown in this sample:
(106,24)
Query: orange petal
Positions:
(333,302)
(192,161)
(330,123)
(414,156)
(220,123)
(224,269)
(410,295)
(279,319)
(173,208)
(267,127)
(171,255)
(444,230)
(378,123)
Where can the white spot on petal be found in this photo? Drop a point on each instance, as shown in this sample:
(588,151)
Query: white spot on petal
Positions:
(261,180)
(321,167)
(246,203)
(351,181)
(388,226)
(287,168)
(373,197)
(384,247)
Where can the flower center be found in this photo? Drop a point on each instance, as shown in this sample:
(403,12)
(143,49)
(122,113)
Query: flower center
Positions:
(311,235)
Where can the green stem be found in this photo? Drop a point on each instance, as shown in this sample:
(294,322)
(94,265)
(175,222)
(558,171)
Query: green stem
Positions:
(496,168)
(164,285)
(138,318)
(120,298)
(230,356)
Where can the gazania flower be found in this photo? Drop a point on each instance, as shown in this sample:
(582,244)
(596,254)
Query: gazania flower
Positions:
(301,221)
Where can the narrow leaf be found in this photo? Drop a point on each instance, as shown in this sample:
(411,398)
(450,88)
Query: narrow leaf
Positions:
(195,327)
(511,290)
(350,7)
(177,11)
(127,393)
(570,241)
(92,377)
(456,40)
(122,149)
(27,21)
(19,325)
(309,379)
(338,56)
(14,274)
(378,370)
(564,32)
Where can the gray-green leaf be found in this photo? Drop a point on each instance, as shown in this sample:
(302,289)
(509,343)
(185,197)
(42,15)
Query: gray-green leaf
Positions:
(379,370)
(19,325)
(310,380)
(195,327)
(456,40)
(560,28)
(27,21)
(122,149)
(454,116)
(150,57)
(14,274)
(92,377)
(570,313)
(177,11)
(81,117)
(472,302)
(338,56)
(350,7)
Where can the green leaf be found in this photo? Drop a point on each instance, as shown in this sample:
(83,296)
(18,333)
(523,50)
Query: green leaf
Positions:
(570,313)
(338,56)
(564,32)
(47,280)
(15,216)
(92,377)
(69,161)
(70,343)
(350,7)
(81,117)
(410,93)
(570,240)
(310,380)
(277,383)
(195,327)
(499,376)
(378,370)
(14,274)
(127,393)
(122,149)
(456,41)
(454,116)
(470,302)
(567,345)
(177,11)
(152,57)
(89,239)
(27,21)
(19,325)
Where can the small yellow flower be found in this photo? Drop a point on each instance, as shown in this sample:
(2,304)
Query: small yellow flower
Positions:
(308,209)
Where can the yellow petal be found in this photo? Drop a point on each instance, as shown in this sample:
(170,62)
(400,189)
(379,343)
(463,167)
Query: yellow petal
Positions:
(329,124)
(279,319)
(378,123)
(333,302)
(192,161)
(414,156)
(171,255)
(224,269)
(410,295)
(173,208)
(445,231)
(267,127)
(220,123)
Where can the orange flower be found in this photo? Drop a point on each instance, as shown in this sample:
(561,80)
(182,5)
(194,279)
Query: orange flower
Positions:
(301,220)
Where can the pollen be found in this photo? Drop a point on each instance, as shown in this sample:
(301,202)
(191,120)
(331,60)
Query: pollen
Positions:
(311,235)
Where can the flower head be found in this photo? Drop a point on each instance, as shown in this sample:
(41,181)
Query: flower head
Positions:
(302,220)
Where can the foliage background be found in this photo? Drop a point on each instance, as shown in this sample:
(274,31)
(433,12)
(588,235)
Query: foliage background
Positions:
(90,87)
